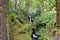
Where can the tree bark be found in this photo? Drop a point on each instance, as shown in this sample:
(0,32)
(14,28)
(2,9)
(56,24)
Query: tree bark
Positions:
(58,12)
(3,18)
(27,9)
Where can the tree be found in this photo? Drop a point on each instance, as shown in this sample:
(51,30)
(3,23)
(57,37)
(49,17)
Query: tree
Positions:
(3,19)
(27,9)
(58,12)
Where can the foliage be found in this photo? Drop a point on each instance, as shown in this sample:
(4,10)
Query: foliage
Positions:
(43,13)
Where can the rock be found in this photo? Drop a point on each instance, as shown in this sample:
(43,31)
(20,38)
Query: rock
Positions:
(57,38)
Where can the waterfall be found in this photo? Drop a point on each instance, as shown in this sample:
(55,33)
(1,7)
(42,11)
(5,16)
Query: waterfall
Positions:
(30,20)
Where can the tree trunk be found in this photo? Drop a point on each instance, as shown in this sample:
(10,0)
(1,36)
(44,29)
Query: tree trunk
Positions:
(3,18)
(58,12)
(15,3)
(27,10)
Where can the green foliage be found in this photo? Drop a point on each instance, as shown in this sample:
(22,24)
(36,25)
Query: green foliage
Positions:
(43,14)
